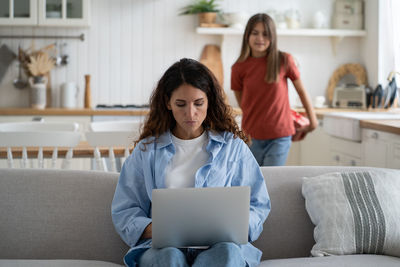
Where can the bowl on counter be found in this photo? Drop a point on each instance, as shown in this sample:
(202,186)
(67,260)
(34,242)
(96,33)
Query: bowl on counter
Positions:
(53,14)
(236,20)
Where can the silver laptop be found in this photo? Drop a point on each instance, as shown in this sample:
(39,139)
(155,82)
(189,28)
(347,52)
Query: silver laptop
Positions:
(200,217)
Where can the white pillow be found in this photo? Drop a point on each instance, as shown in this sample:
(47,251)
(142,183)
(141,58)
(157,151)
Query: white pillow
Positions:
(354,212)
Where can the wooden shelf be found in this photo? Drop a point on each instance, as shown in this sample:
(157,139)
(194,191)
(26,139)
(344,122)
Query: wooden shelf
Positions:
(288,32)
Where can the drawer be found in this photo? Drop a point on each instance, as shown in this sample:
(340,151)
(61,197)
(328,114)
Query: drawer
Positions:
(394,160)
(340,159)
(348,7)
(345,21)
(344,146)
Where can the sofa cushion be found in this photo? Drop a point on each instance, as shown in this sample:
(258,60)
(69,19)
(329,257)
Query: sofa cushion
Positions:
(56,263)
(354,212)
(58,214)
(348,260)
(288,230)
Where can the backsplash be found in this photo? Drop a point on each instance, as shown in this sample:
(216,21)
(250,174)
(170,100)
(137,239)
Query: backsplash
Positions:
(131,43)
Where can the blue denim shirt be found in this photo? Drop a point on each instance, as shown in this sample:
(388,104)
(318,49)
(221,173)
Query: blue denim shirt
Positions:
(230,164)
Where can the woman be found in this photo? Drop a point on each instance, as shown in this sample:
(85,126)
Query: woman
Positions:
(259,81)
(189,139)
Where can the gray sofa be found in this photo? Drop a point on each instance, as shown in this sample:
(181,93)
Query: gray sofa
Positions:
(62,218)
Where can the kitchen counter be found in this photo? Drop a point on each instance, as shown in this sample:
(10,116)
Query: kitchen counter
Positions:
(391,126)
(71,112)
(134,112)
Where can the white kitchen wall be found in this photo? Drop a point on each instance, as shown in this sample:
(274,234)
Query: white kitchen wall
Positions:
(131,43)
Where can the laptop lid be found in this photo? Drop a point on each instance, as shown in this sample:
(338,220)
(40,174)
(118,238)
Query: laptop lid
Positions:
(193,217)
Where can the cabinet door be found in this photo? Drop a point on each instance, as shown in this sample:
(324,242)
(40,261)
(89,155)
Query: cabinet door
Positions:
(64,12)
(293,158)
(339,159)
(375,149)
(18,12)
(314,149)
(394,156)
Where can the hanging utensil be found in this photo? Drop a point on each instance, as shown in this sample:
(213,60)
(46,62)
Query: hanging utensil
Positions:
(20,83)
(393,95)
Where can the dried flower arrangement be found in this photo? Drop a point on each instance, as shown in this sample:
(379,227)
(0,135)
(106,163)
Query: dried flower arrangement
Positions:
(37,64)
(40,64)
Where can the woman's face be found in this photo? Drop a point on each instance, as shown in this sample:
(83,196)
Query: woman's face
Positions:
(189,108)
(258,40)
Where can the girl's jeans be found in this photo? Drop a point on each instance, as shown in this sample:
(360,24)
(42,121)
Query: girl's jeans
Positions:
(272,152)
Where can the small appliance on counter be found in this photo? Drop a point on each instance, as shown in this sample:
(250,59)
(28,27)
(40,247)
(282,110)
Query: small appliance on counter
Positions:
(349,96)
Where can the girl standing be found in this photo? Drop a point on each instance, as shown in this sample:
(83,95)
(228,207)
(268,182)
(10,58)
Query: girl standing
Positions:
(259,81)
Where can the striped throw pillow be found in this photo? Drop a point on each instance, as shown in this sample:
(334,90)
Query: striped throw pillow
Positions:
(355,212)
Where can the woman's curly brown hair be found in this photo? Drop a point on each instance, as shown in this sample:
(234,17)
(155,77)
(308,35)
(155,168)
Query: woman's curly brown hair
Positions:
(188,71)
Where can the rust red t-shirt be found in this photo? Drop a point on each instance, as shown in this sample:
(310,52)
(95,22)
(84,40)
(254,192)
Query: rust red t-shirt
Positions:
(265,106)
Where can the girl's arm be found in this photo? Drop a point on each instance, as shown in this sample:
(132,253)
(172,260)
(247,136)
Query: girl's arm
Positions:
(305,100)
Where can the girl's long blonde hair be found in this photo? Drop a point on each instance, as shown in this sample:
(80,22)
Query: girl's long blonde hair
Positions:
(274,57)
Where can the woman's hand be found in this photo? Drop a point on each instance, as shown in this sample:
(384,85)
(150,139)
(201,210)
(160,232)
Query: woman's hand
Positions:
(147,233)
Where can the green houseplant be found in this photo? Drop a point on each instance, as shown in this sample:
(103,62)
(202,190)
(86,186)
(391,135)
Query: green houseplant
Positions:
(206,9)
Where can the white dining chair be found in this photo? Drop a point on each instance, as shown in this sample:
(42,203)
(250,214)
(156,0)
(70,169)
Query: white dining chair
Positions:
(39,134)
(112,134)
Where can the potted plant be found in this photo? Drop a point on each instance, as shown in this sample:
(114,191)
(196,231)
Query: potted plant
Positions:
(207,10)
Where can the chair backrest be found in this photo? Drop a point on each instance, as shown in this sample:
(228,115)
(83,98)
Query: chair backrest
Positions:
(39,134)
(112,134)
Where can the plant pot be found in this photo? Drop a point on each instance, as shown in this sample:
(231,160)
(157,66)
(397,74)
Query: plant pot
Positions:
(38,92)
(207,17)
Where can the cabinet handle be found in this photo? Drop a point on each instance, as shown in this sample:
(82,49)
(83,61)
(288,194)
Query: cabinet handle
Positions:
(375,135)
(39,119)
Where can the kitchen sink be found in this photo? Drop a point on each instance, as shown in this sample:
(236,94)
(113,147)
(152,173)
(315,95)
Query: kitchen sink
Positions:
(347,124)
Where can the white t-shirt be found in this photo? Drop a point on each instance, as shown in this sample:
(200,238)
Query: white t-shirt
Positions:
(189,157)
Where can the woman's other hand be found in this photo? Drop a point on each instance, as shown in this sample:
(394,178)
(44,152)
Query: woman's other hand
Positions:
(147,233)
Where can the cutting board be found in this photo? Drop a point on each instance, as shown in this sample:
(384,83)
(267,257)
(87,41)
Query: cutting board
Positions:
(211,57)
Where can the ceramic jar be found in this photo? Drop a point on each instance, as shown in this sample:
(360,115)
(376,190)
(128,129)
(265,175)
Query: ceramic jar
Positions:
(38,92)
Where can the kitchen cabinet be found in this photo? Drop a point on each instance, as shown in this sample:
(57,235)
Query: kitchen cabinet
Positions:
(381,149)
(64,13)
(340,159)
(345,152)
(314,149)
(293,158)
(18,12)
